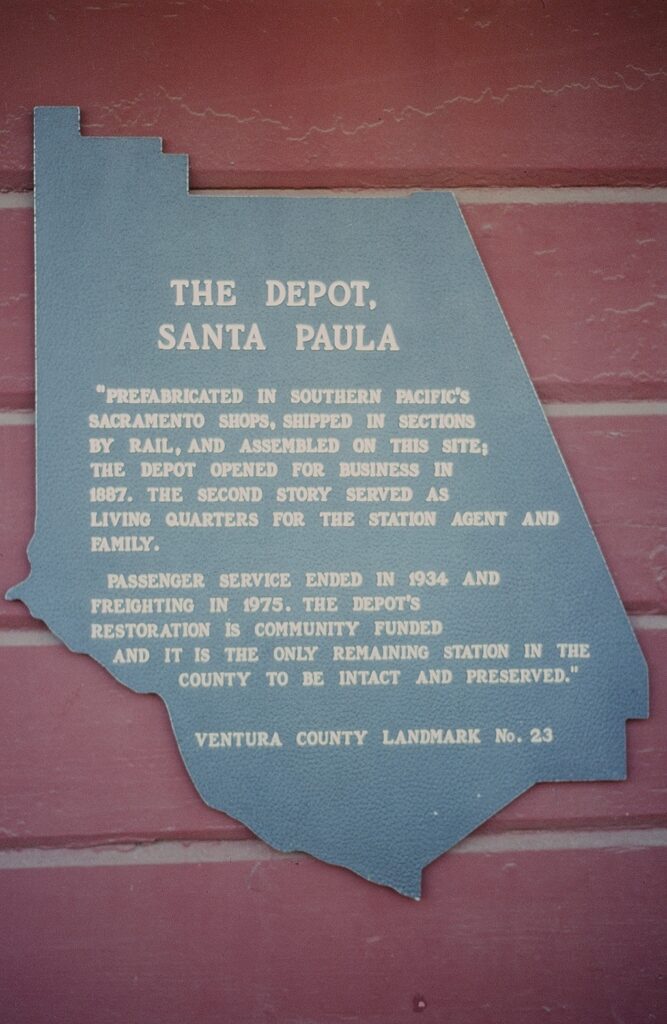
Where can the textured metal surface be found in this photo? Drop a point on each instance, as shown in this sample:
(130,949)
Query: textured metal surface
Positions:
(333,776)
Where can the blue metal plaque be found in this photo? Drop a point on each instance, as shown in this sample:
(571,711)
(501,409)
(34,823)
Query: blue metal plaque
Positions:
(293,477)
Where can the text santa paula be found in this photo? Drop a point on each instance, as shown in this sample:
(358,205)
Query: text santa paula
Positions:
(238,336)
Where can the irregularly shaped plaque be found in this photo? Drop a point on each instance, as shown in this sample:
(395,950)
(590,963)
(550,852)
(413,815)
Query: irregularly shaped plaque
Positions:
(292,476)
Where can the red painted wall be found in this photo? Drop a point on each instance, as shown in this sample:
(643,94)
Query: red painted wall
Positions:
(124,898)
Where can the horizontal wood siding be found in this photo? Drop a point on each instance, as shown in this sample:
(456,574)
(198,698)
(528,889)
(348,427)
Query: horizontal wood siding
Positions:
(524,937)
(300,94)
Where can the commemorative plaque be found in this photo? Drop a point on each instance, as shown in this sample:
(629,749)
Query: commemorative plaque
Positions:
(292,476)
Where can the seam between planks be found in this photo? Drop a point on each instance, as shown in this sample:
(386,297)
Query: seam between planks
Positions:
(555,410)
(30,637)
(222,851)
(550,195)
(641,407)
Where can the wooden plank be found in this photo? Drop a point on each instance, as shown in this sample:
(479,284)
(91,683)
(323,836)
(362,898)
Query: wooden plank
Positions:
(86,761)
(352,93)
(17,516)
(614,463)
(17,336)
(558,936)
(105,767)
(582,287)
